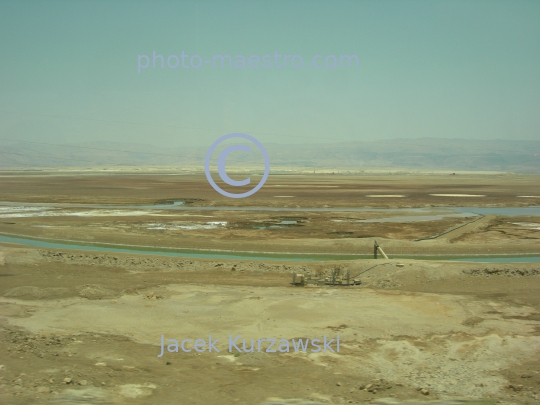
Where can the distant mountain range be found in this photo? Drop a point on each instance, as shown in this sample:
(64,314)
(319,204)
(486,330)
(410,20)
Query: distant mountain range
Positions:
(423,153)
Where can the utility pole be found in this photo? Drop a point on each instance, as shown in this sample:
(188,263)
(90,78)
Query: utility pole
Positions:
(377,248)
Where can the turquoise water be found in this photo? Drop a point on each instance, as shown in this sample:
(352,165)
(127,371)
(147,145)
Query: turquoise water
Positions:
(244,256)
(508,211)
(164,251)
(522,259)
(179,205)
(535,211)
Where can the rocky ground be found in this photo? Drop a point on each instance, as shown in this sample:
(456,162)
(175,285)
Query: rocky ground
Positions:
(85,328)
(80,327)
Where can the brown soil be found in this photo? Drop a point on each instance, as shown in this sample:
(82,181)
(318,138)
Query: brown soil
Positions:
(313,190)
(455,330)
(80,327)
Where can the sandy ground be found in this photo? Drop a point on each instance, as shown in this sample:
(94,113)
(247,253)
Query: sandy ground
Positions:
(79,327)
(307,190)
(267,231)
(322,233)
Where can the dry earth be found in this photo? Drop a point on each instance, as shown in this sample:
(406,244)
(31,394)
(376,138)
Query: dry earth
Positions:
(321,233)
(81,327)
(267,231)
(302,190)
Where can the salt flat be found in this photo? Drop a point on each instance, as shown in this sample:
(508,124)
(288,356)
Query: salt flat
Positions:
(414,331)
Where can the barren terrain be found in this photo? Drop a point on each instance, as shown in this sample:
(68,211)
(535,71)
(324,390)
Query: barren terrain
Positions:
(296,189)
(82,327)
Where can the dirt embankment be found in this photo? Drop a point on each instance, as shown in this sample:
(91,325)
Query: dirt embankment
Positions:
(81,327)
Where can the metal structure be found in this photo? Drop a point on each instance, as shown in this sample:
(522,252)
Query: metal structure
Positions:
(337,278)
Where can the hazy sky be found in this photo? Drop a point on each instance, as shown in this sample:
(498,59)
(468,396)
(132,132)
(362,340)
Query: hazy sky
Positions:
(453,69)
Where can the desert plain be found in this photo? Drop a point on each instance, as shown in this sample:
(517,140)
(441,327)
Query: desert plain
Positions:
(82,326)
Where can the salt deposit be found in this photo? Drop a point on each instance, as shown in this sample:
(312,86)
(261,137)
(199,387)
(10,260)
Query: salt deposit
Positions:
(187,226)
(26,212)
(458,195)
(530,225)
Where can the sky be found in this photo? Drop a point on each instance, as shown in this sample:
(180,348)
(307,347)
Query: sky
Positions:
(69,71)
